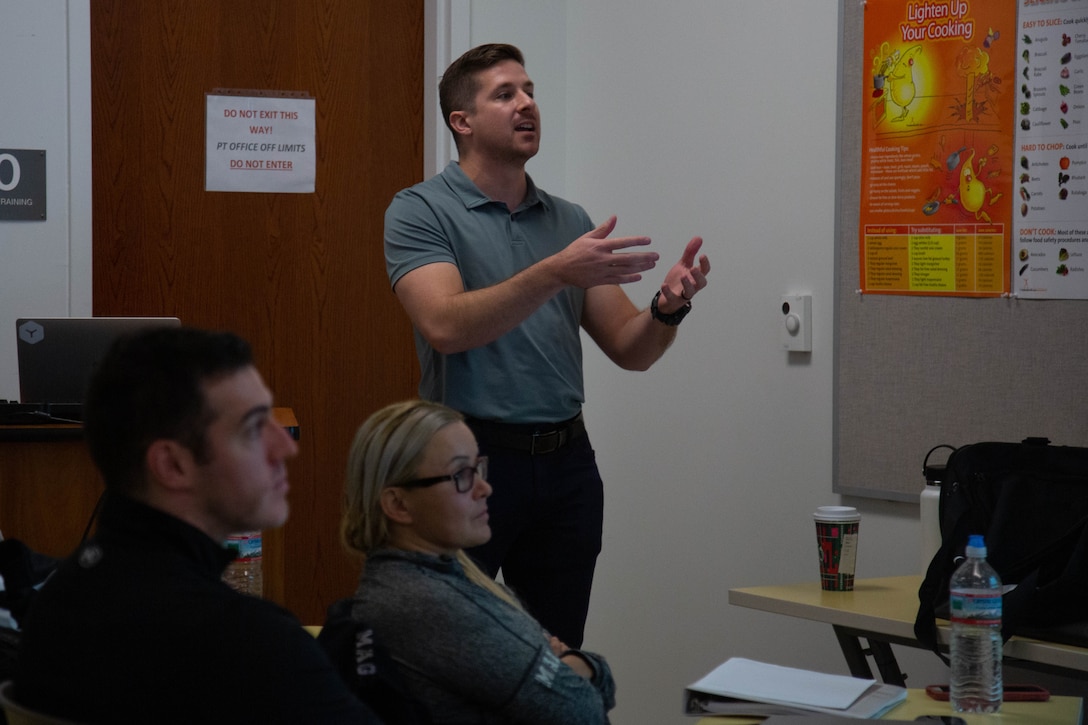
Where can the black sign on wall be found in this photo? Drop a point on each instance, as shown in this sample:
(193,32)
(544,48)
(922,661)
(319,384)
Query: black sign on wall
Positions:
(22,184)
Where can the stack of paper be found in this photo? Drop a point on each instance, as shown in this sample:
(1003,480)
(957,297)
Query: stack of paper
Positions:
(746,687)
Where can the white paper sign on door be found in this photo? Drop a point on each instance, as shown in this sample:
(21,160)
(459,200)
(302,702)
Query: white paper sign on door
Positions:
(262,143)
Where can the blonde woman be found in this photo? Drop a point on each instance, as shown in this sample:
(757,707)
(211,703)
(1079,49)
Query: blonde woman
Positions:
(463,646)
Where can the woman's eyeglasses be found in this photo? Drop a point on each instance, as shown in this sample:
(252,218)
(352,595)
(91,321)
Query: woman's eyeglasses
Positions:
(463,480)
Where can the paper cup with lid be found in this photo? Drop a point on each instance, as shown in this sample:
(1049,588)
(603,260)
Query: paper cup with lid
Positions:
(837,546)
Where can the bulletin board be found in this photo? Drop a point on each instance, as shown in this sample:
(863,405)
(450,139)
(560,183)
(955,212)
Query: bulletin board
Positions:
(913,372)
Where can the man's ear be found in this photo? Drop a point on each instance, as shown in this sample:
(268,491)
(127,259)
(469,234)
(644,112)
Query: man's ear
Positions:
(169,463)
(395,507)
(459,123)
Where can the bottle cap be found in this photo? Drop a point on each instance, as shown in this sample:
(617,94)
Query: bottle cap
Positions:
(935,472)
(976,545)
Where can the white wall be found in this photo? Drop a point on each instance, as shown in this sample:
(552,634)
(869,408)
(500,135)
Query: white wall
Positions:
(716,119)
(45,92)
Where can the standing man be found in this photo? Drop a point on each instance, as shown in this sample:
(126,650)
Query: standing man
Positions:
(137,626)
(497,276)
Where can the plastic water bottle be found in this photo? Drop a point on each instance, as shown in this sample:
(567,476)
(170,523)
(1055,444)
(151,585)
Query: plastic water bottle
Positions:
(245,572)
(975,599)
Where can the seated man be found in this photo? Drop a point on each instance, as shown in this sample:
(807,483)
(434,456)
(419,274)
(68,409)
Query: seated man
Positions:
(137,625)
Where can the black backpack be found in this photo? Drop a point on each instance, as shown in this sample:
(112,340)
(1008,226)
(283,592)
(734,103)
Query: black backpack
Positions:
(1030,502)
(24,571)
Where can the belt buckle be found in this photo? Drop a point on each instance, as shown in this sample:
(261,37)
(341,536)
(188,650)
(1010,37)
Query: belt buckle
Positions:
(550,436)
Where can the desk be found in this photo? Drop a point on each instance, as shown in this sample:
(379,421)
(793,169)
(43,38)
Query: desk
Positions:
(48,486)
(1056,711)
(882,611)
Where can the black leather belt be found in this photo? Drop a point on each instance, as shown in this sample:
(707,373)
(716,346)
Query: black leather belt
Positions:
(546,438)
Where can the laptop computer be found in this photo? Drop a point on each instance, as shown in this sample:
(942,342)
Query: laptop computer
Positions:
(57,355)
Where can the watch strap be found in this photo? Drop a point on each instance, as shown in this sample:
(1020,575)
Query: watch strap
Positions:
(672,319)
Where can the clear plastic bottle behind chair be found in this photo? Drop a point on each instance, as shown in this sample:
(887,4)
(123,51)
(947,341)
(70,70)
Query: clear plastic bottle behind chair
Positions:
(245,573)
(976,648)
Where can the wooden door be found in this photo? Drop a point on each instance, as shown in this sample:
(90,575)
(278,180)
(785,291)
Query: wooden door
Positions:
(301,276)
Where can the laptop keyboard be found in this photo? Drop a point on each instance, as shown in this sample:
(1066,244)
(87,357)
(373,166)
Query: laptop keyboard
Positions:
(39,413)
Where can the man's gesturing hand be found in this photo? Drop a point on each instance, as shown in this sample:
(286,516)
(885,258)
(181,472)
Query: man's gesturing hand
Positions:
(593,259)
(685,278)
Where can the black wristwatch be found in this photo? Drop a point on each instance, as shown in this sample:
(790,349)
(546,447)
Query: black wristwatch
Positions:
(671,320)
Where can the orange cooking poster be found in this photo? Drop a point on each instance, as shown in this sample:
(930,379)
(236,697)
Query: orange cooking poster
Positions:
(937,147)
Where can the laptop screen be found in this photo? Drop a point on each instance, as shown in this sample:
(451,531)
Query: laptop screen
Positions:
(57,355)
